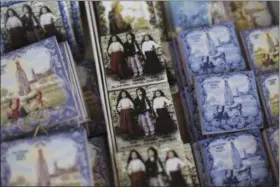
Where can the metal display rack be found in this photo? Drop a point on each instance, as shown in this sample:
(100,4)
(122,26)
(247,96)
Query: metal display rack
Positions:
(96,53)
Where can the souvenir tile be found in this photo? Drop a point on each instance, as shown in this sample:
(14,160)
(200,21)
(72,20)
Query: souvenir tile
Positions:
(269,87)
(271,139)
(87,77)
(262,48)
(115,17)
(192,14)
(171,74)
(130,64)
(137,168)
(210,50)
(237,159)
(228,102)
(33,95)
(143,115)
(249,14)
(101,164)
(73,8)
(57,160)
(49,18)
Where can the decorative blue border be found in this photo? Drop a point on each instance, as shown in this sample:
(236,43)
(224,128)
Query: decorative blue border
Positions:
(68,28)
(66,23)
(69,110)
(77,136)
(77,24)
(265,94)
(201,95)
(187,49)
(249,47)
(9,3)
(260,151)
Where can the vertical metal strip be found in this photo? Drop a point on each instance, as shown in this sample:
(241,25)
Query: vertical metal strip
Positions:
(101,84)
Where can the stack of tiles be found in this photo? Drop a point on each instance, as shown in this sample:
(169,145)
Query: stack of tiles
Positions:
(61,159)
(210,50)
(26,22)
(186,15)
(230,100)
(45,79)
(143,126)
(139,163)
(219,94)
(192,14)
(45,95)
(249,14)
(262,50)
(237,158)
